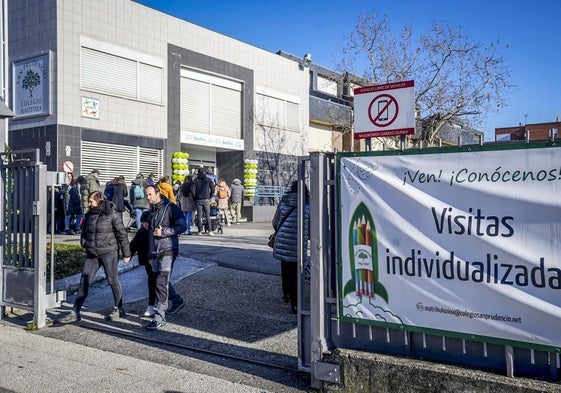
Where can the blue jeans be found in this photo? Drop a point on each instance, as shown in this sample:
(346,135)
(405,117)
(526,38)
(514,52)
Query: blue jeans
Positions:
(68,220)
(138,211)
(188,218)
(203,203)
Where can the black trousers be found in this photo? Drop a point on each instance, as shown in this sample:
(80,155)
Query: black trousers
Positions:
(289,275)
(151,283)
(109,262)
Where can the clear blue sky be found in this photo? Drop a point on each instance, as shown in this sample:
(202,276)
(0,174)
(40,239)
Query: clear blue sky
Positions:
(531,28)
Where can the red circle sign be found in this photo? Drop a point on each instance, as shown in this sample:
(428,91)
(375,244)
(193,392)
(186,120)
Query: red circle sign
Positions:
(385,112)
(68,166)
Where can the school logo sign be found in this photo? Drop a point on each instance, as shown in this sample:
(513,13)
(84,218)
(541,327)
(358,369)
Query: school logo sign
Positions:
(32,86)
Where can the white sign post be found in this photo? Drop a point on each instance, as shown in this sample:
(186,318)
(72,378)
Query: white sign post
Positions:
(385,110)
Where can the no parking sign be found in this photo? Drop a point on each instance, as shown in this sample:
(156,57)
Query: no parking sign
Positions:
(68,166)
(385,110)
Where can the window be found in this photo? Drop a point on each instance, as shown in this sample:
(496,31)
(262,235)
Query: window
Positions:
(121,72)
(210,104)
(326,85)
(276,112)
(108,159)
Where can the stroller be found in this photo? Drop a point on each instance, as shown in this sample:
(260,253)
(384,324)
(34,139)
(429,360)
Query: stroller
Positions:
(215,219)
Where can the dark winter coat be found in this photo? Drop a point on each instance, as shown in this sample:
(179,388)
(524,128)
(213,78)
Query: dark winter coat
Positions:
(72,203)
(104,232)
(185,197)
(139,245)
(119,194)
(172,221)
(286,239)
(202,188)
(83,191)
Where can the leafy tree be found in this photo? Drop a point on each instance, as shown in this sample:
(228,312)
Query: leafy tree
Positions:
(456,78)
(31,81)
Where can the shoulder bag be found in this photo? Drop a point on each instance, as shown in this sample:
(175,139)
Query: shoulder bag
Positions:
(271,242)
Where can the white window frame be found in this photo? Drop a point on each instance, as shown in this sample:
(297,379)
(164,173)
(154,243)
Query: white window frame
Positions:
(121,72)
(277,110)
(108,159)
(211,104)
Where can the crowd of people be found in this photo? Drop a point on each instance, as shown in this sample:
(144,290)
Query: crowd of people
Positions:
(162,213)
(199,196)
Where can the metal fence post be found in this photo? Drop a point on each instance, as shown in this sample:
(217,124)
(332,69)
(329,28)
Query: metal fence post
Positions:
(318,344)
(40,245)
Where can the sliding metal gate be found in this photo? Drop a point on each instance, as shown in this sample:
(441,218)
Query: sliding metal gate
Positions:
(23,244)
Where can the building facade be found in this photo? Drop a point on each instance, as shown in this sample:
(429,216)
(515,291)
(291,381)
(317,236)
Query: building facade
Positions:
(119,87)
(529,132)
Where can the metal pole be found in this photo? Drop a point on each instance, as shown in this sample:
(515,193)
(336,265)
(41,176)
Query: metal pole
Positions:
(40,244)
(318,345)
(52,240)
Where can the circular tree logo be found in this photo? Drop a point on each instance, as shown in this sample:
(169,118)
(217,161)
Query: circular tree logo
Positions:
(31,81)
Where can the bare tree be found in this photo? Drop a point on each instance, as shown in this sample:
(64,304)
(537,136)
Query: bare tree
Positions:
(276,168)
(455,76)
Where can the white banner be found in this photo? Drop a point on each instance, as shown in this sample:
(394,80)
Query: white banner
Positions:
(460,242)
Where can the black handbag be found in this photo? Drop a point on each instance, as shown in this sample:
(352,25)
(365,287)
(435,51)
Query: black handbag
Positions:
(271,242)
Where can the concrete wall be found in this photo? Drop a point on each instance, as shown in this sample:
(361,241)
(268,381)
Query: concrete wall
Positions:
(371,372)
(259,213)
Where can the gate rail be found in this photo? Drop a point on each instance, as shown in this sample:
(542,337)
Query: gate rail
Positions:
(23,241)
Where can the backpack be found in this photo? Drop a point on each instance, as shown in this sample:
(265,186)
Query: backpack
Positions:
(222,193)
(138,191)
(108,192)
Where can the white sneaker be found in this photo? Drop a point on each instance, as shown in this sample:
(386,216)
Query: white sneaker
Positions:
(149,311)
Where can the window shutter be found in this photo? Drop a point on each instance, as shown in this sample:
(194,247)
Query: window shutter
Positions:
(291,116)
(195,102)
(108,159)
(226,112)
(108,73)
(150,83)
(210,104)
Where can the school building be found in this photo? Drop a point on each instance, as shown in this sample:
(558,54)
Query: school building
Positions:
(119,87)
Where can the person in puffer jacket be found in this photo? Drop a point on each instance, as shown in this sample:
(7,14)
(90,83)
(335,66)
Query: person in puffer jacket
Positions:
(103,234)
(285,224)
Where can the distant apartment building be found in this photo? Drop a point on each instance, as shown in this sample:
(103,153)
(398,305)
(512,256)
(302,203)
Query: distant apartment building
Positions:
(331,105)
(532,132)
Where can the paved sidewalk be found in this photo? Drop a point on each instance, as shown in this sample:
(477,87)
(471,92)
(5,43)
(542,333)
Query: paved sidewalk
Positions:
(74,358)
(32,363)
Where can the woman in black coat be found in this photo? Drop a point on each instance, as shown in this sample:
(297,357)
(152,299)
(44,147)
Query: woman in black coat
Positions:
(103,234)
(285,224)
(119,194)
